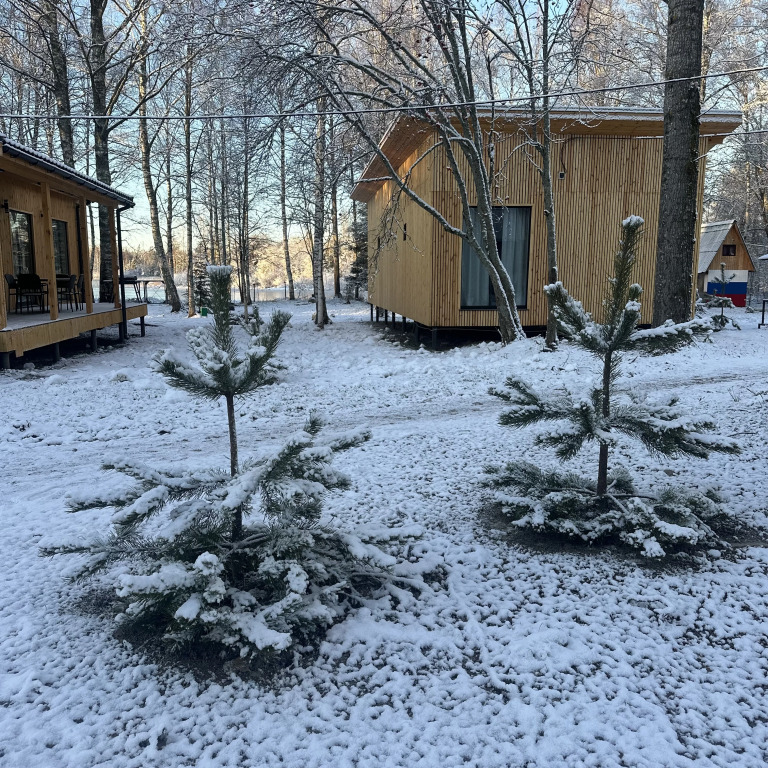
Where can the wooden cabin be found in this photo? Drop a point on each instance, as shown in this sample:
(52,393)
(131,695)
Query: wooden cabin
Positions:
(606,165)
(46,295)
(721,242)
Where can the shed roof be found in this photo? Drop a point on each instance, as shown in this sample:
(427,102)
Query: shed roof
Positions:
(407,132)
(712,236)
(57,168)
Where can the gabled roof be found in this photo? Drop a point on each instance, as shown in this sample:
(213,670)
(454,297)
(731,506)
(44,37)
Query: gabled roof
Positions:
(57,168)
(406,133)
(712,236)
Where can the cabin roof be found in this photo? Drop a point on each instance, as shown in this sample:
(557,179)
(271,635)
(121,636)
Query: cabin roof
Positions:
(57,168)
(406,133)
(712,236)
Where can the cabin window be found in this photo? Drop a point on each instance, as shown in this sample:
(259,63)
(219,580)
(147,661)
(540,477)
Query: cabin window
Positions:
(729,250)
(512,227)
(21,243)
(60,247)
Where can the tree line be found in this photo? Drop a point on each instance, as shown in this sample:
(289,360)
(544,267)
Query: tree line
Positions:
(251,121)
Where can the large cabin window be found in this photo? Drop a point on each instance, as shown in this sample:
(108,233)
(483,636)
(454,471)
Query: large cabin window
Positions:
(512,227)
(21,243)
(60,247)
(729,250)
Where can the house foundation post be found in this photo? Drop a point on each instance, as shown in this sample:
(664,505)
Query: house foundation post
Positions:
(94,341)
(56,352)
(434,338)
(371,307)
(141,324)
(5,360)
(377,314)
(386,316)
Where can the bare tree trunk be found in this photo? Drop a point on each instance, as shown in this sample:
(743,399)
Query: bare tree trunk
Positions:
(237,522)
(318,224)
(602,467)
(336,243)
(146,149)
(245,250)
(169,217)
(213,202)
(101,128)
(224,206)
(284,215)
(680,165)
(60,81)
(188,179)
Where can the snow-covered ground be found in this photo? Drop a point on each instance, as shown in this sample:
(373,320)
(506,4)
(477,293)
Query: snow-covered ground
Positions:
(522,658)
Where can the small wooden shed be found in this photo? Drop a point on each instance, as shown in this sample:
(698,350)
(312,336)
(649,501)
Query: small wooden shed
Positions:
(721,242)
(606,165)
(44,242)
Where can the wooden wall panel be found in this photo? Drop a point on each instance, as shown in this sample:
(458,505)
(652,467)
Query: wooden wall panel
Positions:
(606,178)
(400,277)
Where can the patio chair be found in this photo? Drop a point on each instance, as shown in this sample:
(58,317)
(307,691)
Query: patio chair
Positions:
(31,291)
(10,281)
(81,290)
(67,291)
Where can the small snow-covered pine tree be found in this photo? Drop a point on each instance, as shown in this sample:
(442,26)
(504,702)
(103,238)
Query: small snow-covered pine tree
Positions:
(609,506)
(225,369)
(236,560)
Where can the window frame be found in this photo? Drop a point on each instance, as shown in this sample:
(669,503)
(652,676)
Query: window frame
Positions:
(500,242)
(54,222)
(731,250)
(30,228)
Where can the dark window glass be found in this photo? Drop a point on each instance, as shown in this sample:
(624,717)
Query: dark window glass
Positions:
(729,250)
(60,247)
(512,228)
(21,243)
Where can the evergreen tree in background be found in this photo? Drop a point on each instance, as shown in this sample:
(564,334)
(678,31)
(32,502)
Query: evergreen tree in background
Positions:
(202,285)
(237,561)
(609,506)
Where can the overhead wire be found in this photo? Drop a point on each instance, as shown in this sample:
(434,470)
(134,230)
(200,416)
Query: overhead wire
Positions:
(384,110)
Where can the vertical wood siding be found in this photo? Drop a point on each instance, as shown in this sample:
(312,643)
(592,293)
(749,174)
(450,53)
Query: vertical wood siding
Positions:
(607,178)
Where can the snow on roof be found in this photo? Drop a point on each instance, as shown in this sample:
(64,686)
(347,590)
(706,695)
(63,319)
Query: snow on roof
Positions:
(50,164)
(712,236)
(763,258)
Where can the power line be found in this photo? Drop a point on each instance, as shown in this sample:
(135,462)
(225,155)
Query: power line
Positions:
(382,110)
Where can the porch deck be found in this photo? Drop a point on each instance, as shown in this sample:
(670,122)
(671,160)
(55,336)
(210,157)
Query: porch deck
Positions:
(25,331)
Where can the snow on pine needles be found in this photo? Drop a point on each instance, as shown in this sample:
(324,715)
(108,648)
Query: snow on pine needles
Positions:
(517,657)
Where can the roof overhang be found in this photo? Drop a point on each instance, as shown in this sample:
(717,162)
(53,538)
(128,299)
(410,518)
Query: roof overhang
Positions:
(406,133)
(15,158)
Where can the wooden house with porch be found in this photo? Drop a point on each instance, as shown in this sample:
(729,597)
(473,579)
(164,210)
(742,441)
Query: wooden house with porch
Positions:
(46,295)
(606,165)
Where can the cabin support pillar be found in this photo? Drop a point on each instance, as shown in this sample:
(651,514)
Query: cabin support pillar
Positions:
(120,332)
(143,328)
(56,352)
(377,314)
(5,360)
(6,262)
(434,338)
(113,247)
(84,253)
(386,316)
(405,320)
(49,265)
(371,307)
(94,341)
